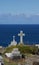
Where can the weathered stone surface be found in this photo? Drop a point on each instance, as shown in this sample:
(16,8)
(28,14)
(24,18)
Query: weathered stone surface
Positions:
(35,63)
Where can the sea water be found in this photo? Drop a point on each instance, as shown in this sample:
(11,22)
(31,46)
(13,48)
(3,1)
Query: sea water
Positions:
(7,32)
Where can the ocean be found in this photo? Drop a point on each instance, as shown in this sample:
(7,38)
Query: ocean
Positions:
(7,32)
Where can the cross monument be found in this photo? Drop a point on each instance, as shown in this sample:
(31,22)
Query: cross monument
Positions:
(21,34)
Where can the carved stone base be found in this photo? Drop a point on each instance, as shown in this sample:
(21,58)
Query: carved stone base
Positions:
(21,43)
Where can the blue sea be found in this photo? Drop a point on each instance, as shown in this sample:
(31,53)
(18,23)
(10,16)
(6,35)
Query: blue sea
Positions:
(8,31)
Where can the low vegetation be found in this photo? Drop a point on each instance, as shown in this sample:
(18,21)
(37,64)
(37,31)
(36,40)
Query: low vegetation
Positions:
(23,49)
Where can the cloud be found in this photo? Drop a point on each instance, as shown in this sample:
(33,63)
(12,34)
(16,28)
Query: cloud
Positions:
(19,19)
(28,16)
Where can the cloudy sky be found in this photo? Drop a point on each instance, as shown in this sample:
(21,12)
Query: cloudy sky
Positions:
(19,11)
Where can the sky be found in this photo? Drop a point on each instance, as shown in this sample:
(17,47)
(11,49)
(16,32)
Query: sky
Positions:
(18,7)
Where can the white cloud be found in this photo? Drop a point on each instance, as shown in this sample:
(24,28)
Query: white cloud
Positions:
(19,19)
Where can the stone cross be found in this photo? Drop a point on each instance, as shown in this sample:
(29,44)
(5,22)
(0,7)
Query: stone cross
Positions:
(21,34)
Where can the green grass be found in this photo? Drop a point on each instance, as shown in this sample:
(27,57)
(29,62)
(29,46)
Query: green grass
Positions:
(23,49)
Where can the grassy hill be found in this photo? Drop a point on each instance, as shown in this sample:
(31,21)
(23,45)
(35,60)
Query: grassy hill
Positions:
(22,48)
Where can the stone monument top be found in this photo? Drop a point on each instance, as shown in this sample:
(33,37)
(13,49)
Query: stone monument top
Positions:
(21,34)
